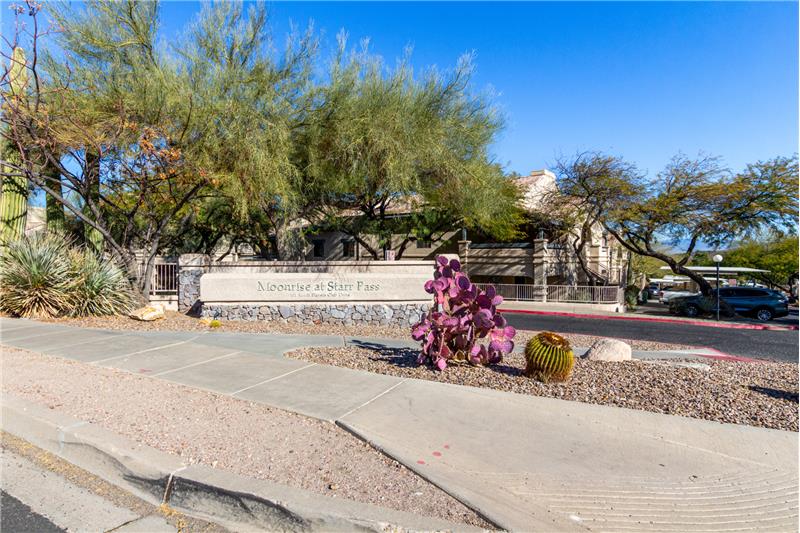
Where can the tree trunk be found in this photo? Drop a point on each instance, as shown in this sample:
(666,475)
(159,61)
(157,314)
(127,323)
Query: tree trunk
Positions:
(56,220)
(92,238)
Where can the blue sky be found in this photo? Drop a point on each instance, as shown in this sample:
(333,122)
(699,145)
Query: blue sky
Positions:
(641,80)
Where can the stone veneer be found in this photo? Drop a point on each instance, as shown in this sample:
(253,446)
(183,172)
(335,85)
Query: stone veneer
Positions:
(189,289)
(346,314)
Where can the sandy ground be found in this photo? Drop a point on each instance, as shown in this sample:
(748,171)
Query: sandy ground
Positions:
(761,394)
(215,430)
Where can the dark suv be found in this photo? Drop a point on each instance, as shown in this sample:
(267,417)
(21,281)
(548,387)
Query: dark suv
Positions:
(763,304)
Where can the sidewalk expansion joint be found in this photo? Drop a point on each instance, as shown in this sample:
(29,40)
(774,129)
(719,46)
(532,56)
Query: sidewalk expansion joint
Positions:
(390,389)
(145,351)
(273,379)
(197,364)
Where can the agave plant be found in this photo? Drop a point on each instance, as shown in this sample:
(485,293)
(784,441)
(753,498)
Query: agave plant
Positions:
(464,324)
(101,287)
(35,276)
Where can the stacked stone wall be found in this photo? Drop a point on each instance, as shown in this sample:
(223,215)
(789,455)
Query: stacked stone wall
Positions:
(344,314)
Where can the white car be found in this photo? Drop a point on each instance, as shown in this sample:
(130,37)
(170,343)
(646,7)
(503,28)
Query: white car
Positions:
(665,296)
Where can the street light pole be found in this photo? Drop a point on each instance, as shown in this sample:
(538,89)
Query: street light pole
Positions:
(717,260)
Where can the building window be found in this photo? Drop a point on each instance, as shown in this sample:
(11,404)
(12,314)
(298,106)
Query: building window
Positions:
(319,247)
(348,248)
(423,243)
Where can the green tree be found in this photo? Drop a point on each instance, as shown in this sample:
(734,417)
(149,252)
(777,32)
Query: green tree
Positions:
(695,201)
(138,133)
(384,141)
(776,253)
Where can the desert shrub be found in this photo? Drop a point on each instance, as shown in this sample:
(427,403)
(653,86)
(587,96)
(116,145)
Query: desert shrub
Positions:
(35,277)
(100,288)
(44,275)
(461,317)
(632,295)
(549,357)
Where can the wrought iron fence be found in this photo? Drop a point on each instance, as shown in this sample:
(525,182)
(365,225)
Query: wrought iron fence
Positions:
(558,293)
(164,278)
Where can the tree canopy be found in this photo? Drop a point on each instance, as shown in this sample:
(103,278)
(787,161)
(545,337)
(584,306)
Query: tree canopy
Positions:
(692,201)
(220,135)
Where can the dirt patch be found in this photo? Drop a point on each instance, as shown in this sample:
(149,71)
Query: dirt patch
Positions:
(222,432)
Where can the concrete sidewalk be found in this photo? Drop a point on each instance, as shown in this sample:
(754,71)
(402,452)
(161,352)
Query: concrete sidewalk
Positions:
(526,463)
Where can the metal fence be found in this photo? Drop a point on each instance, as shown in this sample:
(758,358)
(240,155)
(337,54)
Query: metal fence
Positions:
(164,280)
(558,293)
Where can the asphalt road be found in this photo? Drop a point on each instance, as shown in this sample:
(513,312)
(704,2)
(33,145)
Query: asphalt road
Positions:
(758,344)
(17,517)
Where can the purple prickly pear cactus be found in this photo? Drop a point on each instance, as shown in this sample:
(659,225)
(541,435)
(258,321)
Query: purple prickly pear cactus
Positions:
(464,324)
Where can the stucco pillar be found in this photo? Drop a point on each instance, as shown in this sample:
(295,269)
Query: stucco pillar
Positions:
(540,261)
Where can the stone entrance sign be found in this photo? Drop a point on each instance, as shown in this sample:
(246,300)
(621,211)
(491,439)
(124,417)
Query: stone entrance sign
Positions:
(288,287)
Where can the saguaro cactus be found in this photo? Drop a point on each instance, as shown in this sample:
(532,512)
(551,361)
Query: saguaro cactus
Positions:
(14,201)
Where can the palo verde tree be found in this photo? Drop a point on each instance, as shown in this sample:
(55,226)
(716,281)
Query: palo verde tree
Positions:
(382,143)
(694,201)
(138,132)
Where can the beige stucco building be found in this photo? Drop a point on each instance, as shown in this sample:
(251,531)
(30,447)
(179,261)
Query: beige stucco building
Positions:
(535,261)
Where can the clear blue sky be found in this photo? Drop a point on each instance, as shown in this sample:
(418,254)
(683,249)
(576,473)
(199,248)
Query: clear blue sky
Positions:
(642,80)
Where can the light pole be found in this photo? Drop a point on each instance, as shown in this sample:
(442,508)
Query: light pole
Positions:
(717,260)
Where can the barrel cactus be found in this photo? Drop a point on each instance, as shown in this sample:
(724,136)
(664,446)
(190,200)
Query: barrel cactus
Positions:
(549,357)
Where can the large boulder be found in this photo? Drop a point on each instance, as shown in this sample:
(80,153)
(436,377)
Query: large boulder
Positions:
(148,313)
(609,350)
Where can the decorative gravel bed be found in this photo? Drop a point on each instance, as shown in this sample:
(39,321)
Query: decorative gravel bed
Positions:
(175,321)
(755,394)
(219,431)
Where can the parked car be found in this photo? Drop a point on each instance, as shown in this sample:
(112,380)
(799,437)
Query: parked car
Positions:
(667,295)
(763,304)
(653,289)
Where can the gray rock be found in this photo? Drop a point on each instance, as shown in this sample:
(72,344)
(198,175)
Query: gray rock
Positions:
(286,311)
(609,350)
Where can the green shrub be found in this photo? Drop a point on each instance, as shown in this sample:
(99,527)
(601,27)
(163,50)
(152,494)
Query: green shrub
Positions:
(214,324)
(549,357)
(632,295)
(35,276)
(43,275)
(101,287)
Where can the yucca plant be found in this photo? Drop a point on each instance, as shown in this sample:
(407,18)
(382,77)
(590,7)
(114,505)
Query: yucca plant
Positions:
(100,288)
(35,276)
(549,357)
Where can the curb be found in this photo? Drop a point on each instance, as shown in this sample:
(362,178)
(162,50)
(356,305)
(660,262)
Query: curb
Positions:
(234,501)
(654,319)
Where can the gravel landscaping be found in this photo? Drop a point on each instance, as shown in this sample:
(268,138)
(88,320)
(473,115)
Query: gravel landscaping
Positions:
(175,321)
(755,394)
(222,432)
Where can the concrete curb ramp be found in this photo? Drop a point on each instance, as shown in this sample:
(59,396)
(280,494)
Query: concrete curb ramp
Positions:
(231,500)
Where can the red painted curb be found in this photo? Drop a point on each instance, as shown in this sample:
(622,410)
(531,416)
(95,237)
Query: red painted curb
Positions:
(654,319)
